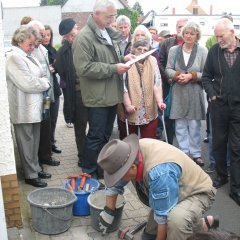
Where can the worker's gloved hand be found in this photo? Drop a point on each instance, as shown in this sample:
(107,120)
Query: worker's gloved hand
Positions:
(106,219)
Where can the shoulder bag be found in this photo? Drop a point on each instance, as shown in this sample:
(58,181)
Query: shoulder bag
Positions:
(168,99)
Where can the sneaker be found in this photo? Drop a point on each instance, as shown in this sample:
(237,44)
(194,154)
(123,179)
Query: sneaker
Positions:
(211,168)
(69,125)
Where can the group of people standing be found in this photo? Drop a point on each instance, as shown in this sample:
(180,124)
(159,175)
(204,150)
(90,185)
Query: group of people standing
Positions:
(98,84)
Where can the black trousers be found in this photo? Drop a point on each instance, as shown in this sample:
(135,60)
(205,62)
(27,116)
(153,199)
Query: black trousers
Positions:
(170,129)
(225,117)
(80,124)
(45,145)
(54,109)
(101,120)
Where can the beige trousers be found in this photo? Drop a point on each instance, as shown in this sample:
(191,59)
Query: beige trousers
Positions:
(185,217)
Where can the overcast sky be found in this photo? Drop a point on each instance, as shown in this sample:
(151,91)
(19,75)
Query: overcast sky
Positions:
(20,3)
(219,7)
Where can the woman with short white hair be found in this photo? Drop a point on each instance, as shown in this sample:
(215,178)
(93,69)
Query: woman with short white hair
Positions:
(142,33)
(26,83)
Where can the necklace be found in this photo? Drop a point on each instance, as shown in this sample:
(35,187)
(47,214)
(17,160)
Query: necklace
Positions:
(187,50)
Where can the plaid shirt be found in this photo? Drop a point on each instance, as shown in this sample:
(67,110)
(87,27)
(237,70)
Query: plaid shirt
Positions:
(231,56)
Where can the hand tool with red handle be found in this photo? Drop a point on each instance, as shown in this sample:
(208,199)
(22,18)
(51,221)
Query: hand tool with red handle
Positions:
(73,181)
(127,234)
(83,180)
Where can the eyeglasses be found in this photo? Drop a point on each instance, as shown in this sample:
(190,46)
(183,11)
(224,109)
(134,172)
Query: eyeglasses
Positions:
(110,16)
(142,50)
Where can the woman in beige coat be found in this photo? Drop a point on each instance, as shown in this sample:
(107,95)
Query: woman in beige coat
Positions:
(26,84)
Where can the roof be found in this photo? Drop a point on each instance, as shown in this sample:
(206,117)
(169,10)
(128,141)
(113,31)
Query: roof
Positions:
(194,6)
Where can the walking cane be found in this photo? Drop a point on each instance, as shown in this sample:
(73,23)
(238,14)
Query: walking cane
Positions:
(164,127)
(126,122)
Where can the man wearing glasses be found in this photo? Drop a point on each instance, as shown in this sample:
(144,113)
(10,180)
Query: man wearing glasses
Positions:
(99,66)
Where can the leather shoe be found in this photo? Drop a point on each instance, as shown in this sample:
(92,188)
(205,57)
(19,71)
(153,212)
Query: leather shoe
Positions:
(36,182)
(56,149)
(206,140)
(51,161)
(235,197)
(44,175)
(219,182)
(199,161)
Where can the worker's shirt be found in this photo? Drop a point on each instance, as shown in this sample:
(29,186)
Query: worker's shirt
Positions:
(163,189)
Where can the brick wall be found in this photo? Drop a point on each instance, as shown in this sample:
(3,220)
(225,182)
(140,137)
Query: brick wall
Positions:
(11,199)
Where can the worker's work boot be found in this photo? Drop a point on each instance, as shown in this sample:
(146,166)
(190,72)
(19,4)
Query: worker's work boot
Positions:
(150,231)
(148,236)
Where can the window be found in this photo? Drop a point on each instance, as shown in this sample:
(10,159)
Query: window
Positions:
(195,11)
(164,24)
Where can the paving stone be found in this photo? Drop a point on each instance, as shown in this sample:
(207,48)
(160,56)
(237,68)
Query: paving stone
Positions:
(134,211)
(28,234)
(13,233)
(140,213)
(81,232)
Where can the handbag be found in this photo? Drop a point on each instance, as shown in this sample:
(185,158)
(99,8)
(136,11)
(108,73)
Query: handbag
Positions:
(168,102)
(168,99)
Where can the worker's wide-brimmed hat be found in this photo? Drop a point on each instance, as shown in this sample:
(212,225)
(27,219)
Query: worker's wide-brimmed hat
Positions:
(116,158)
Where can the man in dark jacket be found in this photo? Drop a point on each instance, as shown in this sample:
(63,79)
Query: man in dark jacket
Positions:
(167,44)
(223,65)
(73,108)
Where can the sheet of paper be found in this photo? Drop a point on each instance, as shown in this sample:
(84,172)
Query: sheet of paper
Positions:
(140,57)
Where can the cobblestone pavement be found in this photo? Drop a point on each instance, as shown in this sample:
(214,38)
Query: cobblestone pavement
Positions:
(134,211)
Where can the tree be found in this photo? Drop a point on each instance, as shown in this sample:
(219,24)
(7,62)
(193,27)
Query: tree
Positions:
(52,2)
(137,7)
(132,14)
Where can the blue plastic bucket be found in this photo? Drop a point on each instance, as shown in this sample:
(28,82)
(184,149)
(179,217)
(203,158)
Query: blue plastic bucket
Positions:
(81,206)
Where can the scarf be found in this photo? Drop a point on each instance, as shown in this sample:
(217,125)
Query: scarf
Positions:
(141,80)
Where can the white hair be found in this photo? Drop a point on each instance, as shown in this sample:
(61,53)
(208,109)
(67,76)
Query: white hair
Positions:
(37,25)
(102,5)
(225,23)
(145,30)
(122,19)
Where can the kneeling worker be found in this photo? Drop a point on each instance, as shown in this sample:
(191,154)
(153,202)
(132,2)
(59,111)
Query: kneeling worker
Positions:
(177,190)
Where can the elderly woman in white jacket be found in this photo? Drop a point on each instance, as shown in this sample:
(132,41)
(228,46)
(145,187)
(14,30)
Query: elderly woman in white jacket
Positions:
(26,84)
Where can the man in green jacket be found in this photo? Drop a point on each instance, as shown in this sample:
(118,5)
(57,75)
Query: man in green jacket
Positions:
(97,60)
